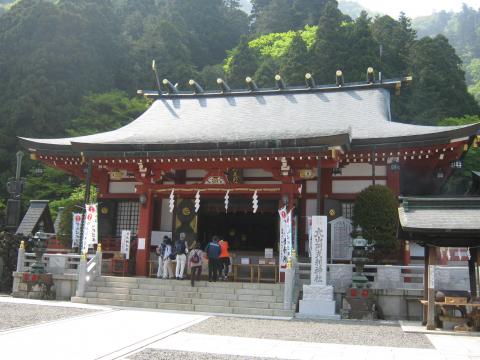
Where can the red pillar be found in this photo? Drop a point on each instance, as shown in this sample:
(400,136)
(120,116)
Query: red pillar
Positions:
(393,180)
(144,231)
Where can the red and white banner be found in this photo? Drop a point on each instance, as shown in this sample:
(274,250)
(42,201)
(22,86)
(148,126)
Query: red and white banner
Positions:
(285,248)
(76,227)
(90,227)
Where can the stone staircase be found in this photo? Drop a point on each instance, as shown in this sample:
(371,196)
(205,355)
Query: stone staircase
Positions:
(220,297)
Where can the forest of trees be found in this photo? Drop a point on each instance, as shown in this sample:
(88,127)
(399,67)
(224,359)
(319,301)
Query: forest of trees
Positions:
(71,67)
(463,31)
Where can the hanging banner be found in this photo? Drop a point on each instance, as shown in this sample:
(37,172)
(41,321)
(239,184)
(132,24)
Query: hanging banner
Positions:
(285,237)
(90,227)
(76,227)
(125,245)
(318,251)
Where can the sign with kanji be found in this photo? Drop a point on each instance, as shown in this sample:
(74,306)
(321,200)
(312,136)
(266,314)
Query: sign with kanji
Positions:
(90,227)
(341,239)
(76,227)
(285,237)
(318,251)
(125,244)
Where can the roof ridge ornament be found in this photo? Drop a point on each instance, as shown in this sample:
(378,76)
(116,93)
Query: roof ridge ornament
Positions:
(280,83)
(251,84)
(223,85)
(172,89)
(157,79)
(197,89)
(370,75)
(309,80)
(339,78)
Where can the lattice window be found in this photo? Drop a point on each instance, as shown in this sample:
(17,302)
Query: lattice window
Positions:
(127,216)
(347,209)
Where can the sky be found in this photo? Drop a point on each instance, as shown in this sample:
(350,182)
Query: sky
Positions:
(414,8)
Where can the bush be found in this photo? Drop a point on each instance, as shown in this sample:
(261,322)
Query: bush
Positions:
(376,212)
(9,244)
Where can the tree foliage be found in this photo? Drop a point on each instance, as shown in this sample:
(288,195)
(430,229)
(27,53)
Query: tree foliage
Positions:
(71,204)
(459,183)
(375,211)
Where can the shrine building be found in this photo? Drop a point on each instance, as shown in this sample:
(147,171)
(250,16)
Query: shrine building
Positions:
(196,161)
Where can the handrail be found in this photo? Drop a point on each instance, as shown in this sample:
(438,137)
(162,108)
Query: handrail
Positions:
(88,271)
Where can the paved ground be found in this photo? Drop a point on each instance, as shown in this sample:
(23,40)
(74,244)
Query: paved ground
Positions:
(339,332)
(93,332)
(15,315)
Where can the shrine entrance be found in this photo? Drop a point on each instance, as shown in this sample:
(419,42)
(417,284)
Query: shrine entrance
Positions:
(243,229)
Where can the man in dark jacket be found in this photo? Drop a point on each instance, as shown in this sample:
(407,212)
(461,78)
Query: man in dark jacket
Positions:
(213,253)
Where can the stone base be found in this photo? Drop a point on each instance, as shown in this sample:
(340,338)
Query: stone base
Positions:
(318,302)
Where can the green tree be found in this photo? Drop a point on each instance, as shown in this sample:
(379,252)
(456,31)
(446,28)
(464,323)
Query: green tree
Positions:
(460,181)
(243,62)
(376,212)
(439,89)
(295,63)
(70,204)
(105,112)
(330,52)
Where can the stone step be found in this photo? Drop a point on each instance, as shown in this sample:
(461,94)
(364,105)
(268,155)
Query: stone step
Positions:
(112,280)
(209,308)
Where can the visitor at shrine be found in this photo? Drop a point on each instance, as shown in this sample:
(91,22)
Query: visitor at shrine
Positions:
(181,250)
(213,255)
(160,250)
(168,256)
(224,260)
(195,263)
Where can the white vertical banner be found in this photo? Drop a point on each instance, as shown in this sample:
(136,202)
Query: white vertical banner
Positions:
(125,245)
(318,248)
(285,248)
(76,227)
(90,227)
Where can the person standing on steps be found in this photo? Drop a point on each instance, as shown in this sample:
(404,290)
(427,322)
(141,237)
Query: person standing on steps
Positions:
(160,250)
(213,254)
(224,261)
(182,250)
(167,260)
(195,263)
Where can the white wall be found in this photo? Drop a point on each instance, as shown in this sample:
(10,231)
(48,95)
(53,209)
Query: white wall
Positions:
(256,173)
(122,187)
(362,169)
(196,173)
(352,186)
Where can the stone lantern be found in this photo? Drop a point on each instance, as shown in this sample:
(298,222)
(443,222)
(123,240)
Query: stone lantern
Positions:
(39,246)
(359,302)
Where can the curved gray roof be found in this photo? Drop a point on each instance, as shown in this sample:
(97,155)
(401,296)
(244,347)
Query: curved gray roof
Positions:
(212,122)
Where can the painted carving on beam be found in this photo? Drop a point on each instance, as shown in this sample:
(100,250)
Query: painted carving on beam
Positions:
(215,180)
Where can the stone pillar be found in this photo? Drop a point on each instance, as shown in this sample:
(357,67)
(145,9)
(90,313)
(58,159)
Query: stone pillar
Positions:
(144,232)
(82,274)
(317,299)
(432,261)
(21,257)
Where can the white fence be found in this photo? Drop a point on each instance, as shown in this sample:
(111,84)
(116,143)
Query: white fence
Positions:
(400,277)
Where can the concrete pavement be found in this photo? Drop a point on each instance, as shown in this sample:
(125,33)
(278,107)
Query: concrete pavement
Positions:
(121,333)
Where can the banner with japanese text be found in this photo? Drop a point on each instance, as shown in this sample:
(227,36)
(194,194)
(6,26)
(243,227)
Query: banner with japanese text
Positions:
(76,229)
(90,227)
(125,244)
(285,248)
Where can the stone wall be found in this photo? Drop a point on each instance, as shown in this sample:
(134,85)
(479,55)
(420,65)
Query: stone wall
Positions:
(64,285)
